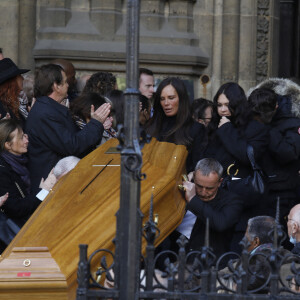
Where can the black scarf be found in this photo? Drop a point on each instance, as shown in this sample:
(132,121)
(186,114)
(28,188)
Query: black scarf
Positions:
(168,124)
(18,164)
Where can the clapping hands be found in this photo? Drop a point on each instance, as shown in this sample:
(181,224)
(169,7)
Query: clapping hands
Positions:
(101,113)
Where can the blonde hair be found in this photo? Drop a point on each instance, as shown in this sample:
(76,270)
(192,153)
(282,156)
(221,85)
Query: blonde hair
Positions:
(7,126)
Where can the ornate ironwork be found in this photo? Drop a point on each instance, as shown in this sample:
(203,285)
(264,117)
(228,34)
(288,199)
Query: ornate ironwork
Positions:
(132,155)
(273,274)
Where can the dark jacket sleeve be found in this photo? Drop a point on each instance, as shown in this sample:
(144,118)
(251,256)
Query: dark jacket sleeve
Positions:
(255,134)
(285,146)
(195,153)
(221,219)
(61,140)
(16,206)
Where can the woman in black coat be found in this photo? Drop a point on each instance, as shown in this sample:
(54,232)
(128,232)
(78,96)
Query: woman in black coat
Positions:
(14,175)
(172,121)
(232,128)
(280,98)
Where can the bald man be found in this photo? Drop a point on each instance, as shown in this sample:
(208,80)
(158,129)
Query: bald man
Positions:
(69,69)
(293,225)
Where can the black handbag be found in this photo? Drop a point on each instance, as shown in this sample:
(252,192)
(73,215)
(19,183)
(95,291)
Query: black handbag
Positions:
(8,229)
(258,178)
(253,186)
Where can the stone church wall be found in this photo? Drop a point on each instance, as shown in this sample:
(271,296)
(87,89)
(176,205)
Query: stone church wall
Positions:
(206,42)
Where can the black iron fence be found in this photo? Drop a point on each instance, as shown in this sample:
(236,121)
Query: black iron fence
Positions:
(270,274)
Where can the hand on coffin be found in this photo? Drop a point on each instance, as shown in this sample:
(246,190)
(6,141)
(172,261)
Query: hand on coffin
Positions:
(191,176)
(190,191)
(49,183)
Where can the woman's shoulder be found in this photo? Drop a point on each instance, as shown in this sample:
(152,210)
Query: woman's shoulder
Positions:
(255,126)
(196,128)
(3,164)
(6,172)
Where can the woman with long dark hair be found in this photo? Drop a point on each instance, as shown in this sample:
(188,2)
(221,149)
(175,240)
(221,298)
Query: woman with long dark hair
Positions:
(233,128)
(172,121)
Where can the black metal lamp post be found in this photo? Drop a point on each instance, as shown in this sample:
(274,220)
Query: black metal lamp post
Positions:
(129,217)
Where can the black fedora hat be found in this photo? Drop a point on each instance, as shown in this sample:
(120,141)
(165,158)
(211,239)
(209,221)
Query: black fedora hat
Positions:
(9,70)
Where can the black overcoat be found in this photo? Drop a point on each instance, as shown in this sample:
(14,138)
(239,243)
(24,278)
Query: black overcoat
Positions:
(53,135)
(282,160)
(223,213)
(20,204)
(229,146)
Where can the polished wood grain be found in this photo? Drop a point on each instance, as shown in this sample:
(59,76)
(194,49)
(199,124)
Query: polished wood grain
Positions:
(81,208)
(30,273)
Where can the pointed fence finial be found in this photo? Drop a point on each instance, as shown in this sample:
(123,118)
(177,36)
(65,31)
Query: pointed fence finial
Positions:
(277,226)
(151,208)
(207,233)
(278,210)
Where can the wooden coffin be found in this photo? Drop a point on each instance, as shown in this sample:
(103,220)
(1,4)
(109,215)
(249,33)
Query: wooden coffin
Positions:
(28,273)
(82,206)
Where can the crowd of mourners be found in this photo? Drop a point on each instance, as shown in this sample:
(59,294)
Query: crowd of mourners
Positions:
(50,120)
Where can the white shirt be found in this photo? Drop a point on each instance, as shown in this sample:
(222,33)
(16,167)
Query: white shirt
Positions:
(187,224)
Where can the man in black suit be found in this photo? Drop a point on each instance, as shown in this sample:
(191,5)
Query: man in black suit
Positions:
(206,199)
(51,130)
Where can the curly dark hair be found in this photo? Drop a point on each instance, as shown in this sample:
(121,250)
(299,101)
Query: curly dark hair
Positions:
(101,83)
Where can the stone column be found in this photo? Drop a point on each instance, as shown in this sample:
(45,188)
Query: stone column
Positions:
(216,60)
(267,39)
(274,37)
(9,26)
(53,13)
(230,40)
(106,15)
(152,14)
(27,26)
(181,15)
(207,16)
(247,45)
